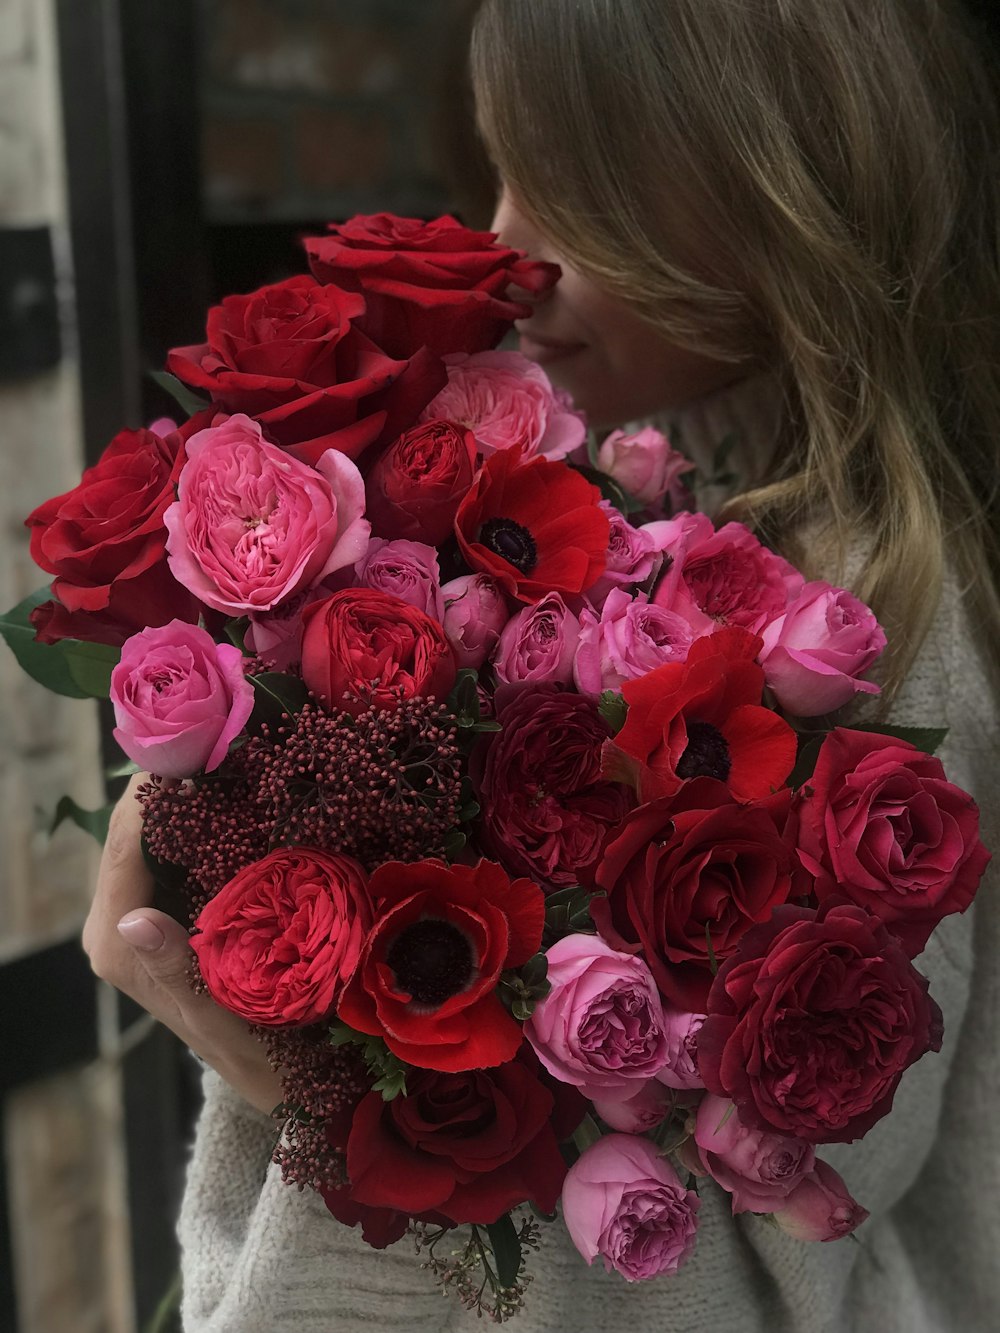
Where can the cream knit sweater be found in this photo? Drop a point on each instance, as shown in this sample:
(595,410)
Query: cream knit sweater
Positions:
(260,1257)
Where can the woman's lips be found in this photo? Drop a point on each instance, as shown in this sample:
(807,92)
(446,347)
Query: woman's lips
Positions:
(547,350)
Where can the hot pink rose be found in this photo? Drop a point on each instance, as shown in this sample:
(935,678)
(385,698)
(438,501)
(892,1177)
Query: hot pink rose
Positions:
(179,699)
(642,1111)
(681,1068)
(407,570)
(252,526)
(508,402)
(642,463)
(538,645)
(759,1169)
(600,1028)
(633,555)
(475,611)
(814,654)
(629,638)
(623,1201)
(820,1207)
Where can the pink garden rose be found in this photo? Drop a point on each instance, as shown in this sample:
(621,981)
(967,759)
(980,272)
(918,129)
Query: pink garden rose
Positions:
(629,638)
(407,570)
(538,644)
(179,699)
(816,651)
(252,526)
(759,1169)
(820,1207)
(475,611)
(642,463)
(508,402)
(601,1026)
(642,1111)
(633,555)
(681,1068)
(623,1200)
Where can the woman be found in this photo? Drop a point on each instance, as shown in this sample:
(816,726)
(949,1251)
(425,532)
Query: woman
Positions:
(776,218)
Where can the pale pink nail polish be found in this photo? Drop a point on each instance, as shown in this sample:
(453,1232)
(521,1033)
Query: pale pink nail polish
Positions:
(140,933)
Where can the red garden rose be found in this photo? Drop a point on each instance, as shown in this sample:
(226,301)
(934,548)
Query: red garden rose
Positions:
(881,825)
(362,648)
(415,488)
(278,942)
(546,808)
(703,718)
(536,526)
(687,876)
(813,1021)
(428,973)
(106,544)
(435,284)
(290,355)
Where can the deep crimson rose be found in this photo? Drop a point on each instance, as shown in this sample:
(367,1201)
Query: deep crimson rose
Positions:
(881,824)
(703,718)
(291,355)
(545,807)
(428,973)
(106,544)
(467,1145)
(277,943)
(362,648)
(687,876)
(536,526)
(415,488)
(813,1021)
(435,284)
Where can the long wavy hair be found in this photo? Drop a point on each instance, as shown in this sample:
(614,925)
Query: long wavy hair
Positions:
(809,185)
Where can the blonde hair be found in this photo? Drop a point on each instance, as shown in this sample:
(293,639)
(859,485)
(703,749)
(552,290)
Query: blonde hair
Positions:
(806,184)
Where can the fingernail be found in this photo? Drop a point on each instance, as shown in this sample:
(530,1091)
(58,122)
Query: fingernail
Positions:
(140,933)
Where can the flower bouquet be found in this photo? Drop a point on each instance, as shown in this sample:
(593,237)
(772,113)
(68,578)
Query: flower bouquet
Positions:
(493,780)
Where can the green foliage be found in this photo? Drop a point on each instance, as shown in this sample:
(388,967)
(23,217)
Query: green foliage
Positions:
(276,696)
(609,488)
(71,667)
(567,912)
(185,399)
(389,1071)
(506,1250)
(94,822)
(463,703)
(521,989)
(613,708)
(926,739)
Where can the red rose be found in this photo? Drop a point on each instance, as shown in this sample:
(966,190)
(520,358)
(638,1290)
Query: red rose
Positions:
(290,355)
(535,527)
(546,808)
(106,544)
(812,1022)
(362,648)
(467,1145)
(429,970)
(415,488)
(703,718)
(277,943)
(435,284)
(881,824)
(686,877)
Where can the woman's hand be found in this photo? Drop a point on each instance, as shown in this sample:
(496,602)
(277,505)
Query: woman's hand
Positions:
(147,954)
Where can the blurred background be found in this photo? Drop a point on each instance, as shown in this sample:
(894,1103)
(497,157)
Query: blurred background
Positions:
(154,156)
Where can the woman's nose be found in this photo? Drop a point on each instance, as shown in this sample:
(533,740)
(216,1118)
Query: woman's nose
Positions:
(516,231)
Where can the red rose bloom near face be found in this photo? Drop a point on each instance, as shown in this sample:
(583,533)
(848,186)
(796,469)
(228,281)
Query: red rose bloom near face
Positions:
(435,284)
(812,1023)
(535,527)
(881,824)
(362,648)
(686,877)
(278,942)
(427,977)
(703,718)
(415,488)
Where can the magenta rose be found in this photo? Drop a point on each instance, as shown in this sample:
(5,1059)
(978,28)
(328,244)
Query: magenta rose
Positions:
(538,644)
(881,825)
(633,555)
(812,1023)
(252,527)
(627,639)
(180,699)
(475,611)
(758,1168)
(508,402)
(277,944)
(416,486)
(681,1068)
(600,1027)
(642,463)
(407,570)
(820,1207)
(623,1200)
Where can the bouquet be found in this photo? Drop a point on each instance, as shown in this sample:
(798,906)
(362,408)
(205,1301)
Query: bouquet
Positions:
(494,778)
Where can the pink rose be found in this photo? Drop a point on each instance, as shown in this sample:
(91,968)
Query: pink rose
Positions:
(407,570)
(179,699)
(623,1200)
(601,1025)
(276,636)
(759,1169)
(820,1207)
(633,555)
(642,1111)
(252,526)
(815,652)
(643,463)
(681,1068)
(538,645)
(508,402)
(475,611)
(629,638)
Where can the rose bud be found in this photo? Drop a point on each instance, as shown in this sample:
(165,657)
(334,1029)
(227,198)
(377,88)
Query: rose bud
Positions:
(407,570)
(820,1208)
(681,1069)
(759,1169)
(180,699)
(415,488)
(642,1111)
(643,464)
(538,645)
(475,611)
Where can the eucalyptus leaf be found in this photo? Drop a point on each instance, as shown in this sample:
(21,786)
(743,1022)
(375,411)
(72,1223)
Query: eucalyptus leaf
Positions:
(184,397)
(506,1250)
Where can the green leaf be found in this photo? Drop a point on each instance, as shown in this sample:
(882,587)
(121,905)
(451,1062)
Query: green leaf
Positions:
(91,665)
(805,762)
(236,632)
(926,739)
(506,1250)
(613,708)
(609,488)
(184,397)
(70,667)
(276,696)
(94,822)
(125,769)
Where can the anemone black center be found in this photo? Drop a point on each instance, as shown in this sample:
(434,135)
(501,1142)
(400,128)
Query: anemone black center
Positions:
(707,753)
(432,960)
(509,540)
